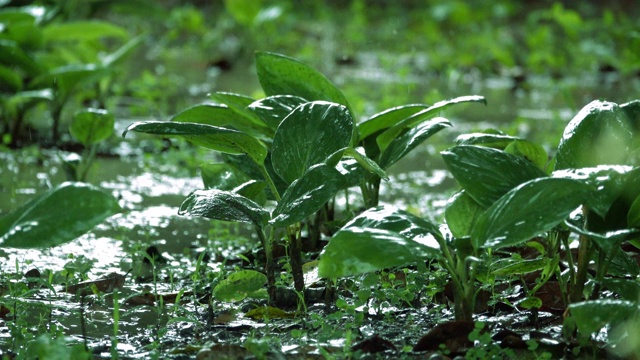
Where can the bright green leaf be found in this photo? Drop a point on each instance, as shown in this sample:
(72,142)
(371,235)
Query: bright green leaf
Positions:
(223,205)
(83,31)
(239,285)
(211,137)
(527,211)
(281,75)
(273,109)
(57,216)
(309,135)
(387,119)
(461,214)
(244,11)
(91,126)
(486,174)
(307,195)
(591,316)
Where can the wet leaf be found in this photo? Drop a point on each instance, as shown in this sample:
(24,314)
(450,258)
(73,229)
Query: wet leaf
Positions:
(527,211)
(307,195)
(224,205)
(273,109)
(57,216)
(12,54)
(222,176)
(487,174)
(366,163)
(107,284)
(633,216)
(377,239)
(600,134)
(606,241)
(239,285)
(628,289)
(66,78)
(91,126)
(530,302)
(83,31)
(490,138)
(222,116)
(407,141)
(309,136)
(591,316)
(211,137)
(240,104)
(386,119)
(244,11)
(269,312)
(530,151)
(281,75)
(517,267)
(388,136)
(461,214)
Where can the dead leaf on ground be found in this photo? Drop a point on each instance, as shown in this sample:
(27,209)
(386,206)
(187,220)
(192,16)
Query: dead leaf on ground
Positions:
(453,334)
(107,284)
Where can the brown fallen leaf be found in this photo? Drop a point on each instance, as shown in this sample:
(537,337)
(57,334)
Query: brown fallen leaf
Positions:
(373,344)
(106,285)
(453,334)
(150,299)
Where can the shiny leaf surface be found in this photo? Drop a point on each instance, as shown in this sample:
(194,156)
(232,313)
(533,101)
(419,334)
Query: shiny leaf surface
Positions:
(57,216)
(461,214)
(404,143)
(91,126)
(273,109)
(223,205)
(486,174)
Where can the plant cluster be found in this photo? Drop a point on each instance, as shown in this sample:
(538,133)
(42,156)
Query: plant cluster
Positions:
(299,147)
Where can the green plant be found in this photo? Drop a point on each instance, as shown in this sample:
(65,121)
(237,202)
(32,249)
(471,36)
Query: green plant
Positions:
(507,200)
(294,141)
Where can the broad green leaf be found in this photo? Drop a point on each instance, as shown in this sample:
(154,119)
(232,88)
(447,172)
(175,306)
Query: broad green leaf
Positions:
(309,135)
(591,316)
(10,80)
(461,214)
(239,285)
(281,75)
(518,267)
(211,137)
(407,141)
(273,109)
(388,136)
(83,31)
(628,289)
(606,241)
(530,151)
(222,116)
(399,221)
(366,163)
(530,302)
(632,109)
(307,195)
(91,126)
(57,216)
(387,119)
(486,174)
(252,189)
(244,11)
(224,205)
(11,54)
(600,134)
(356,250)
(527,211)
(240,104)
(490,138)
(26,97)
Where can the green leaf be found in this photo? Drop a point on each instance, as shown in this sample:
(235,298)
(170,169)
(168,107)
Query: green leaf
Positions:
(224,205)
(528,210)
(212,137)
(486,174)
(281,75)
(240,104)
(273,109)
(307,195)
(591,316)
(222,176)
(91,126)
(490,138)
(633,216)
(407,141)
(607,241)
(387,119)
(392,133)
(608,180)
(57,216)
(628,289)
(66,78)
(10,80)
(366,163)
(377,239)
(244,11)
(309,135)
(600,134)
(83,31)
(11,54)
(530,151)
(239,285)
(518,267)
(461,214)
(123,52)
(530,302)
(222,116)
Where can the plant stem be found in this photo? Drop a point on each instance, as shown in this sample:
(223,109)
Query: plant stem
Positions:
(295,258)
(270,183)
(267,243)
(584,252)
